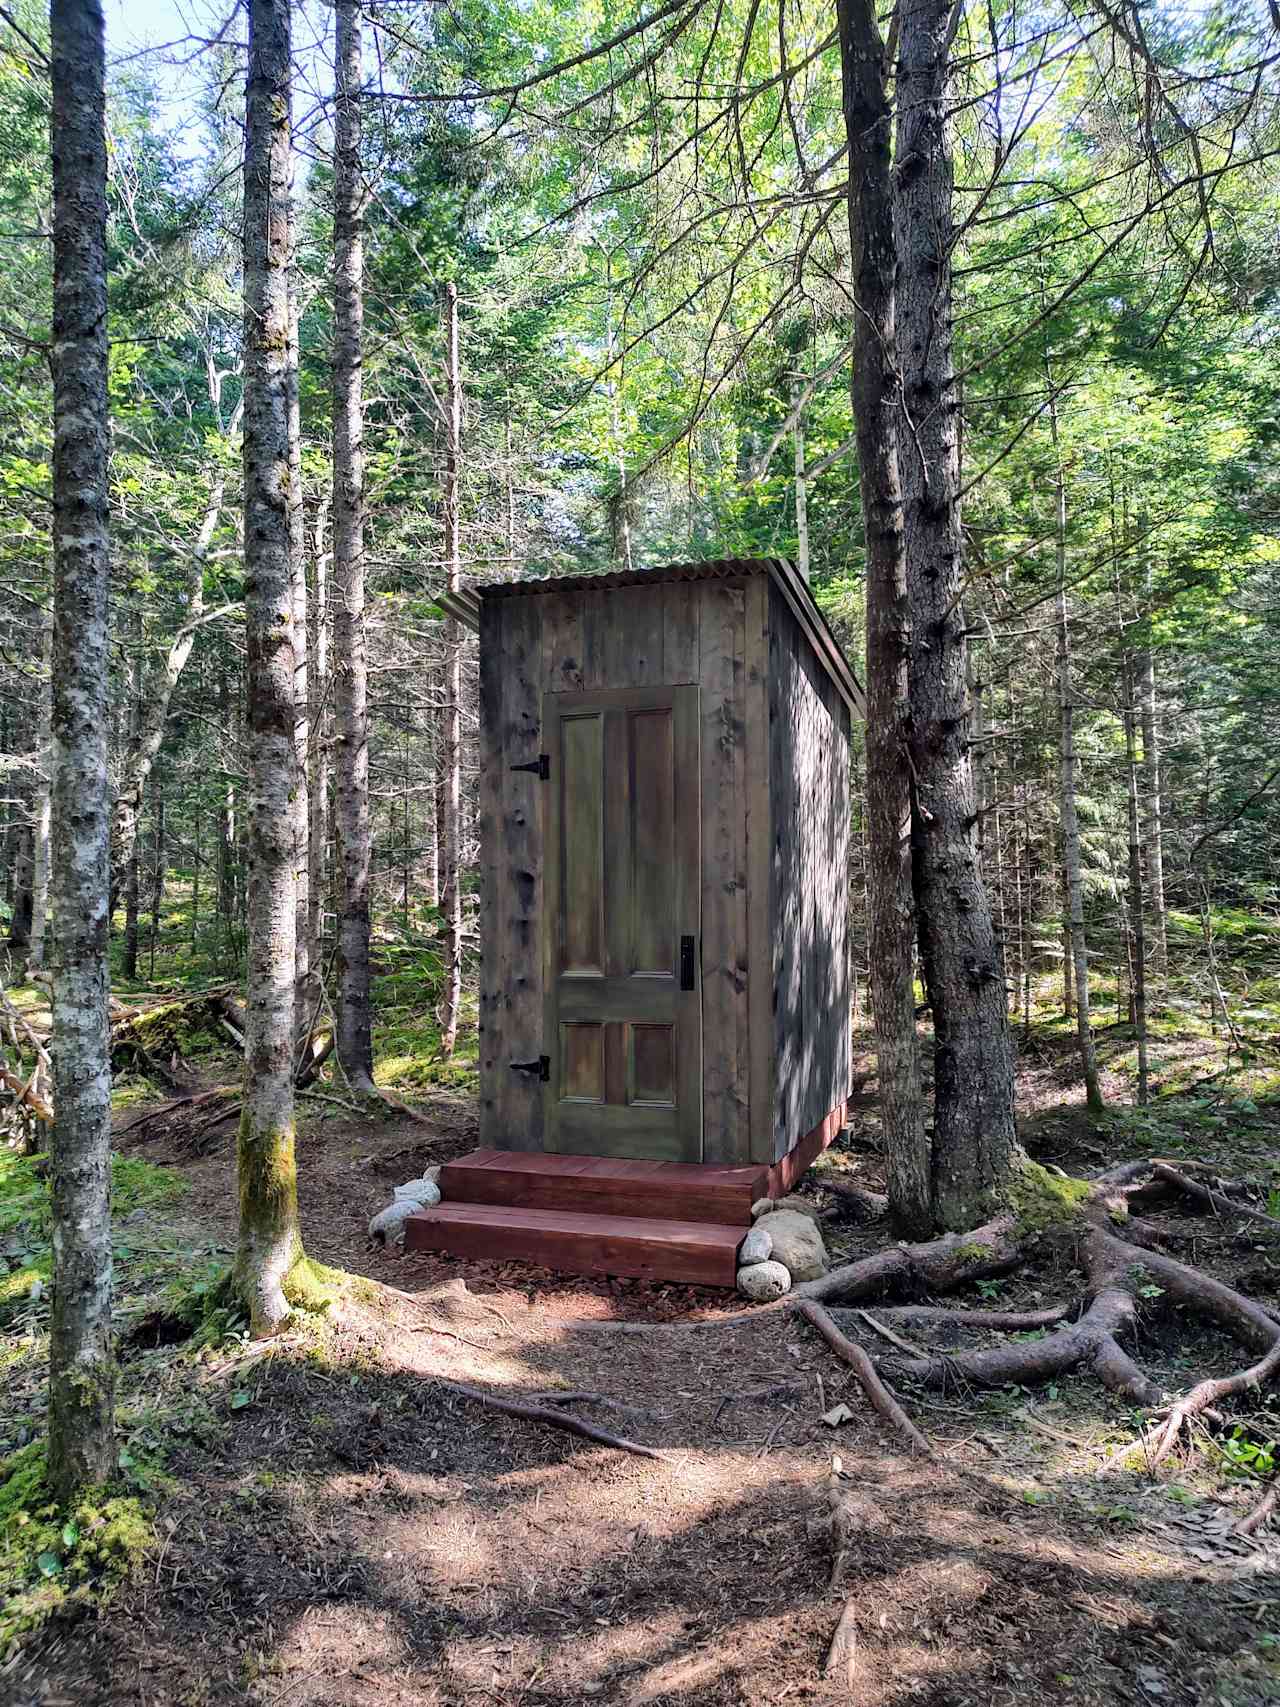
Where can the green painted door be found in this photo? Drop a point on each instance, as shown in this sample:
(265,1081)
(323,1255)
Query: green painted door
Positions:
(621,922)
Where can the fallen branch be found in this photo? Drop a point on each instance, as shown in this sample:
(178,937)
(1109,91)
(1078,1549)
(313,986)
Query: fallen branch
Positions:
(882,1400)
(553,1418)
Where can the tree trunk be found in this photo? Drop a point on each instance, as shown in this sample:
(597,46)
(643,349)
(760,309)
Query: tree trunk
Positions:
(23,862)
(975,1143)
(129,960)
(157,872)
(269,1243)
(317,750)
(81,1370)
(1137,927)
(300,803)
(43,800)
(1071,863)
(875,386)
(1153,813)
(355,1029)
(802,495)
(452,726)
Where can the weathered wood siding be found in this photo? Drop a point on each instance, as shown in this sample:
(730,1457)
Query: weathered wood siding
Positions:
(680,632)
(808,883)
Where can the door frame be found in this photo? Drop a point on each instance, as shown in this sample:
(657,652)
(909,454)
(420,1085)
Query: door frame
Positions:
(614,1123)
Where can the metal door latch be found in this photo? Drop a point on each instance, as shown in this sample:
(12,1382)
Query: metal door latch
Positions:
(541,766)
(688,950)
(542,1067)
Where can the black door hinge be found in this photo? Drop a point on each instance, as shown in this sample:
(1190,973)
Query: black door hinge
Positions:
(541,766)
(542,1067)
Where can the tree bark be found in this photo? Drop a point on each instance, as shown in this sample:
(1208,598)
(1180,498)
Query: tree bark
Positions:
(875,390)
(81,1369)
(351,803)
(1071,862)
(452,713)
(802,494)
(317,750)
(300,803)
(42,801)
(1137,922)
(975,1143)
(1153,806)
(23,862)
(269,1244)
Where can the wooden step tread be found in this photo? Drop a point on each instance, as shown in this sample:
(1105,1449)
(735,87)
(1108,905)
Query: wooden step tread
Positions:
(695,1253)
(605,1185)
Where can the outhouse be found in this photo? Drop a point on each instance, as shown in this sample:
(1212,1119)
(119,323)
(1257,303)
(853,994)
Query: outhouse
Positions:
(664,997)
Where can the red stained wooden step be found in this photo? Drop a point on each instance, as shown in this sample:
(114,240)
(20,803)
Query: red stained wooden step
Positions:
(603,1185)
(695,1253)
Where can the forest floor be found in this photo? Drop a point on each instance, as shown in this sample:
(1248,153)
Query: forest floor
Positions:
(334,1528)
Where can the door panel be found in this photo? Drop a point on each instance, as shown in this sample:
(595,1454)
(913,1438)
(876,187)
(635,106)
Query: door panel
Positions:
(623,891)
(581,910)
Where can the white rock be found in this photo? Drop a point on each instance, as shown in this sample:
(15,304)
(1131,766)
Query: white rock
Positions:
(762,1206)
(387,1225)
(756,1247)
(763,1281)
(423,1192)
(797,1244)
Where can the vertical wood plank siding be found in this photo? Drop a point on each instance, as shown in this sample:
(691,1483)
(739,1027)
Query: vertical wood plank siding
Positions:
(808,883)
(677,632)
(773,735)
(512,673)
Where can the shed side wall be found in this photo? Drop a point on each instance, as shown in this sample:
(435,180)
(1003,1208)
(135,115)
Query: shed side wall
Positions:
(808,882)
(675,633)
(511,672)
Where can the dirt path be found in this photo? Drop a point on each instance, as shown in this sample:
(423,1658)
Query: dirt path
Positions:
(342,1531)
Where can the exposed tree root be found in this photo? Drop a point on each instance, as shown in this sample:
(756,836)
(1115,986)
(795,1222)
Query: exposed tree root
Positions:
(1215,1200)
(842,1656)
(1263,1512)
(1125,1280)
(870,1205)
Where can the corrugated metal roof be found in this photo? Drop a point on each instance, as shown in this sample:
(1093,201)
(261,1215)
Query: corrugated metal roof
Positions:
(464,605)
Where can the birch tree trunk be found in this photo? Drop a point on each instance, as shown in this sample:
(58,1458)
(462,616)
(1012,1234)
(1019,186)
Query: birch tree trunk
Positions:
(975,1145)
(81,1370)
(300,803)
(42,800)
(269,1244)
(875,389)
(452,714)
(1071,863)
(317,750)
(351,724)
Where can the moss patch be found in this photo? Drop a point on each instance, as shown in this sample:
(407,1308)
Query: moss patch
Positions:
(1041,1199)
(50,1557)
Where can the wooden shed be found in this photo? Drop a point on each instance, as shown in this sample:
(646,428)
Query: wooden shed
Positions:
(664,999)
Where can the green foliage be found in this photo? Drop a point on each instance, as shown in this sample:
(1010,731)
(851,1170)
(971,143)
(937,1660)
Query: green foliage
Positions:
(51,1558)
